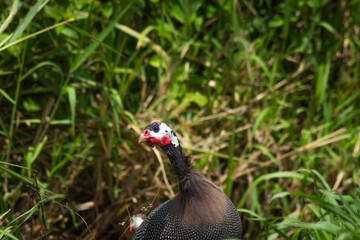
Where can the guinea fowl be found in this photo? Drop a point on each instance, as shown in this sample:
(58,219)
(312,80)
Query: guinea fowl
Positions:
(199,211)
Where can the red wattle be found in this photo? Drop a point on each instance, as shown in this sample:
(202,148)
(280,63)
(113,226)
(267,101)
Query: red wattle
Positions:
(165,140)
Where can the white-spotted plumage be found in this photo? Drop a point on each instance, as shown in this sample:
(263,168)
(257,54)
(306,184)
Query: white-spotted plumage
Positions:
(199,211)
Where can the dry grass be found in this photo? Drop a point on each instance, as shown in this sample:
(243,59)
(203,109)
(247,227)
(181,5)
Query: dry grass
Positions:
(263,96)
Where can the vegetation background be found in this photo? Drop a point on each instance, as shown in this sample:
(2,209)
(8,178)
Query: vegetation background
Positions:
(264,95)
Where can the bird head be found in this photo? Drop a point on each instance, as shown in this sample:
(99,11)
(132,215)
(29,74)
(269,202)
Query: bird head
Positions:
(157,133)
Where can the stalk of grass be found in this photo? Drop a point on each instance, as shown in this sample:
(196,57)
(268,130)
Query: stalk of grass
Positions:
(72,102)
(10,217)
(12,13)
(80,58)
(13,43)
(230,164)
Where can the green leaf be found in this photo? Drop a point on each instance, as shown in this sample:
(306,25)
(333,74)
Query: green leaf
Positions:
(2,92)
(252,213)
(261,63)
(30,105)
(324,182)
(72,102)
(69,155)
(90,49)
(265,151)
(157,61)
(325,205)
(322,225)
(197,98)
(330,28)
(260,119)
(285,174)
(6,233)
(33,153)
(276,22)
(279,195)
(13,11)
(40,65)
(322,81)
(27,20)
(189,98)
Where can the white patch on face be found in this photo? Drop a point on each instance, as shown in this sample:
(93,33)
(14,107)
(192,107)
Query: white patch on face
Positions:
(166,130)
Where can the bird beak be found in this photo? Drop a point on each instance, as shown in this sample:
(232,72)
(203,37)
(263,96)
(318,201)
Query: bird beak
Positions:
(146,137)
(142,138)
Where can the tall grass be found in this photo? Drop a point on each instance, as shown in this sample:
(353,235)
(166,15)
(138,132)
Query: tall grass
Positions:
(264,95)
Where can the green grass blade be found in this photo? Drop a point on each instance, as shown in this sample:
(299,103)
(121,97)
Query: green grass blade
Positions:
(350,209)
(90,49)
(324,204)
(322,80)
(323,181)
(28,19)
(31,35)
(266,177)
(281,234)
(278,195)
(265,151)
(260,119)
(6,132)
(22,178)
(230,164)
(252,213)
(72,102)
(321,225)
(13,11)
(2,92)
(6,233)
(40,65)
(10,217)
(33,153)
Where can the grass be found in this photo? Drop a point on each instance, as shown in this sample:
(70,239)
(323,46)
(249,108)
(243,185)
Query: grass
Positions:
(264,95)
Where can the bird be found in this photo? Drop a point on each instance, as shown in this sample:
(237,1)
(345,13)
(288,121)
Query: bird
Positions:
(200,210)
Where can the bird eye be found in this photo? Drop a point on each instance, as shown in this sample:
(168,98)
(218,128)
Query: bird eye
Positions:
(156,129)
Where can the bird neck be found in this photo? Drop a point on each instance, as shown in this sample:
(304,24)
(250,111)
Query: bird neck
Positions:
(199,202)
(179,162)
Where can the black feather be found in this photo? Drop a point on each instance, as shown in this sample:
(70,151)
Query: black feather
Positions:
(199,211)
